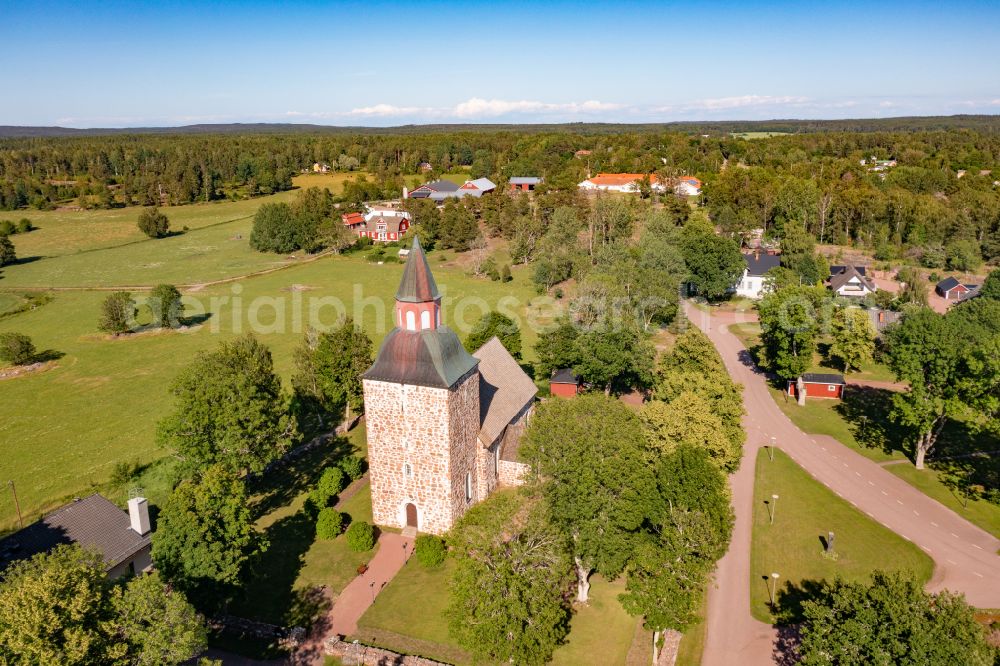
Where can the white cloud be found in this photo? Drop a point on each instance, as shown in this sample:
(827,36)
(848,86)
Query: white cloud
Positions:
(385,110)
(743,101)
(482,108)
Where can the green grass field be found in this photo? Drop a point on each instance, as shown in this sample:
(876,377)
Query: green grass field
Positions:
(64,429)
(805,512)
(600,632)
(329,181)
(757,135)
(69,232)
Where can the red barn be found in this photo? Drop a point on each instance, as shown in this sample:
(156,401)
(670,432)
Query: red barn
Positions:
(564,383)
(951,289)
(819,385)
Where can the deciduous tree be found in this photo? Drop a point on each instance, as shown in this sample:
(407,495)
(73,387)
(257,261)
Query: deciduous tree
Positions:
(117,313)
(714,263)
(165,304)
(853,338)
(7,254)
(16,348)
(153,223)
(790,320)
(491,324)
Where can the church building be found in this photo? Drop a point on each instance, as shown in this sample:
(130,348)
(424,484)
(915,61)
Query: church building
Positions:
(443,425)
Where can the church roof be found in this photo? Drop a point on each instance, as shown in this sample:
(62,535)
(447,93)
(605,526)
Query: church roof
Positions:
(417,285)
(504,390)
(431,357)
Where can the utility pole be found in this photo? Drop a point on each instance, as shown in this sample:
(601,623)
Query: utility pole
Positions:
(774,579)
(774,507)
(17,504)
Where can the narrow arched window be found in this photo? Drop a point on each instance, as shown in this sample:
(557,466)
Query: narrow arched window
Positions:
(468,487)
(425,319)
(411,321)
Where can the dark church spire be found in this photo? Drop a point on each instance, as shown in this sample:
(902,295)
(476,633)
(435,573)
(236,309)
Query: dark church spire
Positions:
(417,285)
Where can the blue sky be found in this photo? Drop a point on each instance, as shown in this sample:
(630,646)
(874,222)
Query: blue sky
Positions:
(390,63)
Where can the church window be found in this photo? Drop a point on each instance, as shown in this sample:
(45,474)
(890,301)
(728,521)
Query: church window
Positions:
(496,461)
(468,487)
(411,321)
(425,319)
(407,470)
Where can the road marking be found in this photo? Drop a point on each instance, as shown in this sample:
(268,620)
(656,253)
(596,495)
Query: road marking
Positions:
(927,549)
(885,493)
(915,513)
(858,473)
(952,562)
(977,546)
(934,524)
(845,464)
(871,483)
(898,502)
(823,447)
(954,535)
(978,574)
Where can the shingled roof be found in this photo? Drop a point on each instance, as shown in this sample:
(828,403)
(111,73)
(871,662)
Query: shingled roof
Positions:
(92,522)
(431,357)
(417,285)
(505,390)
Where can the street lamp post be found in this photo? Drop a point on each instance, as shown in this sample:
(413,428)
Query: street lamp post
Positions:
(774,507)
(774,580)
(371,586)
(770,450)
(17,504)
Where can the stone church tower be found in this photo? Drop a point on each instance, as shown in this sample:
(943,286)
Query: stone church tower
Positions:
(422,408)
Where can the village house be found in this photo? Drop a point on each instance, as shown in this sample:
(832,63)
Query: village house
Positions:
(753,284)
(95,523)
(581,153)
(950,289)
(382,224)
(621,182)
(443,425)
(320,167)
(817,385)
(424,167)
(688,186)
(851,281)
(524,183)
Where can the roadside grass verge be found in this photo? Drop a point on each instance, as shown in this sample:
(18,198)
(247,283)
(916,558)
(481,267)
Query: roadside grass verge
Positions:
(793,547)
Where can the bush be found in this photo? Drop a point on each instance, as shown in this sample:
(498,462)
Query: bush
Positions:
(329,523)
(153,223)
(7,253)
(24,225)
(505,275)
(430,550)
(330,483)
(353,467)
(7,228)
(16,348)
(361,536)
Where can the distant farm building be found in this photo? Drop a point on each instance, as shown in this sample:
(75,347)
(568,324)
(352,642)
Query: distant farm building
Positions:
(94,523)
(753,283)
(564,383)
(950,289)
(621,182)
(817,385)
(524,183)
(382,224)
(320,167)
(439,190)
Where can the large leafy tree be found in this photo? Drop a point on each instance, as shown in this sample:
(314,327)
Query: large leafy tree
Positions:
(509,588)
(616,356)
(165,304)
(205,536)
(991,286)
(689,420)
(275,229)
(230,409)
(60,608)
(588,454)
(7,253)
(890,621)
(329,366)
(153,223)
(117,313)
(16,348)
(491,324)
(556,348)
(791,319)
(924,354)
(714,262)
(853,338)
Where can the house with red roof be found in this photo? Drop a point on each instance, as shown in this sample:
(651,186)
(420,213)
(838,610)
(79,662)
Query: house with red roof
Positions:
(688,186)
(620,182)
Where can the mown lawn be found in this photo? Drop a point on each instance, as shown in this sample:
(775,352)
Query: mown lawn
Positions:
(600,632)
(693,643)
(64,429)
(69,232)
(329,181)
(793,546)
(977,511)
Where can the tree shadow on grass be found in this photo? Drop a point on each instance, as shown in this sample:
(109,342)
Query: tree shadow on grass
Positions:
(867,410)
(47,355)
(296,475)
(790,597)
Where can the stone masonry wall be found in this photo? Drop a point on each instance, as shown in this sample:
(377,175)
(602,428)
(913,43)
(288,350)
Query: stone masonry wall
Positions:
(512,473)
(428,429)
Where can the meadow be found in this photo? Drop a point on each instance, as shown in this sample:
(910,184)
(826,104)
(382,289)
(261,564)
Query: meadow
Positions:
(63,429)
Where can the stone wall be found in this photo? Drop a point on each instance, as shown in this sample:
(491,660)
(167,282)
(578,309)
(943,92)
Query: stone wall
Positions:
(432,430)
(512,473)
(348,653)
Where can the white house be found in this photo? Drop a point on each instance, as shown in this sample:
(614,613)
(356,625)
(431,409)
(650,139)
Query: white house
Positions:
(851,281)
(753,284)
(688,186)
(620,182)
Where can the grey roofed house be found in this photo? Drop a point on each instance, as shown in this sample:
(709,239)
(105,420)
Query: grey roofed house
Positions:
(564,376)
(759,263)
(882,319)
(92,522)
(506,392)
(525,180)
(836,270)
(849,275)
(435,186)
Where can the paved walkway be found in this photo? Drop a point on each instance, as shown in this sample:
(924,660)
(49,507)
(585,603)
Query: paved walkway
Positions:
(393,551)
(964,555)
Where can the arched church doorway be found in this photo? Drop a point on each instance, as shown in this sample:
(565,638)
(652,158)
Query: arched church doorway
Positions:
(411,515)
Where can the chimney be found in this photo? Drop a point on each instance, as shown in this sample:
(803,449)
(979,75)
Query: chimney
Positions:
(756,254)
(406,192)
(138,515)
